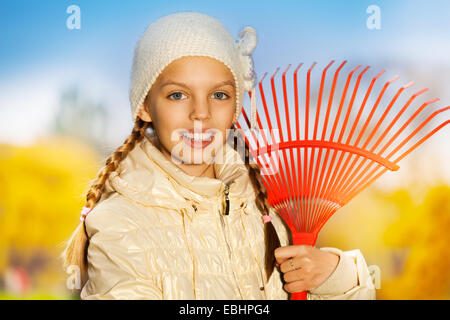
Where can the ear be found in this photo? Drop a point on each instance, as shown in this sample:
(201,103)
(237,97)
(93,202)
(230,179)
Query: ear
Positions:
(143,114)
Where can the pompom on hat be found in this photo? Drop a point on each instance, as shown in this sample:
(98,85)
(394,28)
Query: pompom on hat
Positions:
(193,34)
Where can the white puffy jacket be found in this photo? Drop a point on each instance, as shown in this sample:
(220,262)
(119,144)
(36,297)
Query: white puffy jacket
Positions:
(159,233)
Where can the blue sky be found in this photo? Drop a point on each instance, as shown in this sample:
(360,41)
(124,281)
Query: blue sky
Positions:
(40,56)
(34,33)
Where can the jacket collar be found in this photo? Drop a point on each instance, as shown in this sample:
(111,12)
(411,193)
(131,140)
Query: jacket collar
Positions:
(148,177)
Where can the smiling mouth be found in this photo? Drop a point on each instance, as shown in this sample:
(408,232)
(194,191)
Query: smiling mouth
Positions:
(198,137)
(197,140)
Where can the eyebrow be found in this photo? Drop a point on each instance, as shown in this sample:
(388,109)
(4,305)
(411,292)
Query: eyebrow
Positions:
(219,84)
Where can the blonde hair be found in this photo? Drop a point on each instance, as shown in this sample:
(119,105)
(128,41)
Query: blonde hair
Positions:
(271,239)
(75,252)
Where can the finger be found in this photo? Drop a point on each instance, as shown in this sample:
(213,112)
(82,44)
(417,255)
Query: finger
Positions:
(292,276)
(296,286)
(278,262)
(282,254)
(286,266)
(286,252)
(298,262)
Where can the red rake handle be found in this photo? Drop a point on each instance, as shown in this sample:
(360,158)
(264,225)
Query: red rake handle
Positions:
(299,295)
(302,238)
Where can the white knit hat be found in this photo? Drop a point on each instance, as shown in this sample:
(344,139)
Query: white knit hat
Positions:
(192,34)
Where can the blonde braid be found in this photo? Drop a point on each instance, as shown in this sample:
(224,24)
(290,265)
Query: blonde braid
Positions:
(272,240)
(76,250)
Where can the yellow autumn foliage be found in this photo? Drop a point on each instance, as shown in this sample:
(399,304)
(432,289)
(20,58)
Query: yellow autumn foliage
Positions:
(424,230)
(405,235)
(42,190)
(41,194)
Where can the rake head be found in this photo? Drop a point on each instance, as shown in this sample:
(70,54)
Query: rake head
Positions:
(339,142)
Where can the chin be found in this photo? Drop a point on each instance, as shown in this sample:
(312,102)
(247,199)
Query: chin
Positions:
(181,153)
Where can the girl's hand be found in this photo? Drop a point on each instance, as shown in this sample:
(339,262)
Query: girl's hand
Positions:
(313,266)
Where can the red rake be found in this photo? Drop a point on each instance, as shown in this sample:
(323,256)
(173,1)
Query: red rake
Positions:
(312,177)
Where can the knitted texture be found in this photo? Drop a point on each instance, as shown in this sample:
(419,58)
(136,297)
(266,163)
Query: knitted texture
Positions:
(191,34)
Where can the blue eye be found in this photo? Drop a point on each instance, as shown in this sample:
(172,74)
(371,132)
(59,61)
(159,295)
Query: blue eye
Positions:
(220,93)
(177,94)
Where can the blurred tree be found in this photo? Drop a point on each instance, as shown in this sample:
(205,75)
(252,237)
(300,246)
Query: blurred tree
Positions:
(404,232)
(80,117)
(423,229)
(41,194)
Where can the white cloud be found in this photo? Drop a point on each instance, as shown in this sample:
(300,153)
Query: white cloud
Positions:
(26,106)
(29,100)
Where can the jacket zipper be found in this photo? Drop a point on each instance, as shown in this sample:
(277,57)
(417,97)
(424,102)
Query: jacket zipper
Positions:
(225,211)
(226,204)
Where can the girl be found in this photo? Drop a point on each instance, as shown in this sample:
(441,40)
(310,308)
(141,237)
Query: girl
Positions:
(176,213)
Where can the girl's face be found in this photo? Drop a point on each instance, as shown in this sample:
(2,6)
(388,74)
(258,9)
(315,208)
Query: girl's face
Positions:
(192,93)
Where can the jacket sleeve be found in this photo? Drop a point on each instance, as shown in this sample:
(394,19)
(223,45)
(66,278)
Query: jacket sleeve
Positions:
(116,270)
(350,280)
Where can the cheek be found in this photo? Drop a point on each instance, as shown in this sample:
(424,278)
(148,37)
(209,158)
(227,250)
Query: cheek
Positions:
(224,115)
(224,120)
(170,115)
(166,121)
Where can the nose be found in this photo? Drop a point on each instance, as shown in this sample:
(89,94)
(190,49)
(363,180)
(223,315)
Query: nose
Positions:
(201,110)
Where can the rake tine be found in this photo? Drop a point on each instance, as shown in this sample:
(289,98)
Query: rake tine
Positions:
(284,174)
(305,150)
(316,123)
(355,89)
(364,160)
(416,130)
(278,183)
(286,107)
(319,156)
(336,172)
(265,155)
(264,164)
(306,164)
(387,84)
(350,136)
(297,116)
(386,131)
(426,137)
(423,106)
(325,126)
(374,79)
(375,129)
(389,143)
(277,113)
(344,126)
(319,101)
(344,94)
(348,178)
(297,137)
(293,174)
